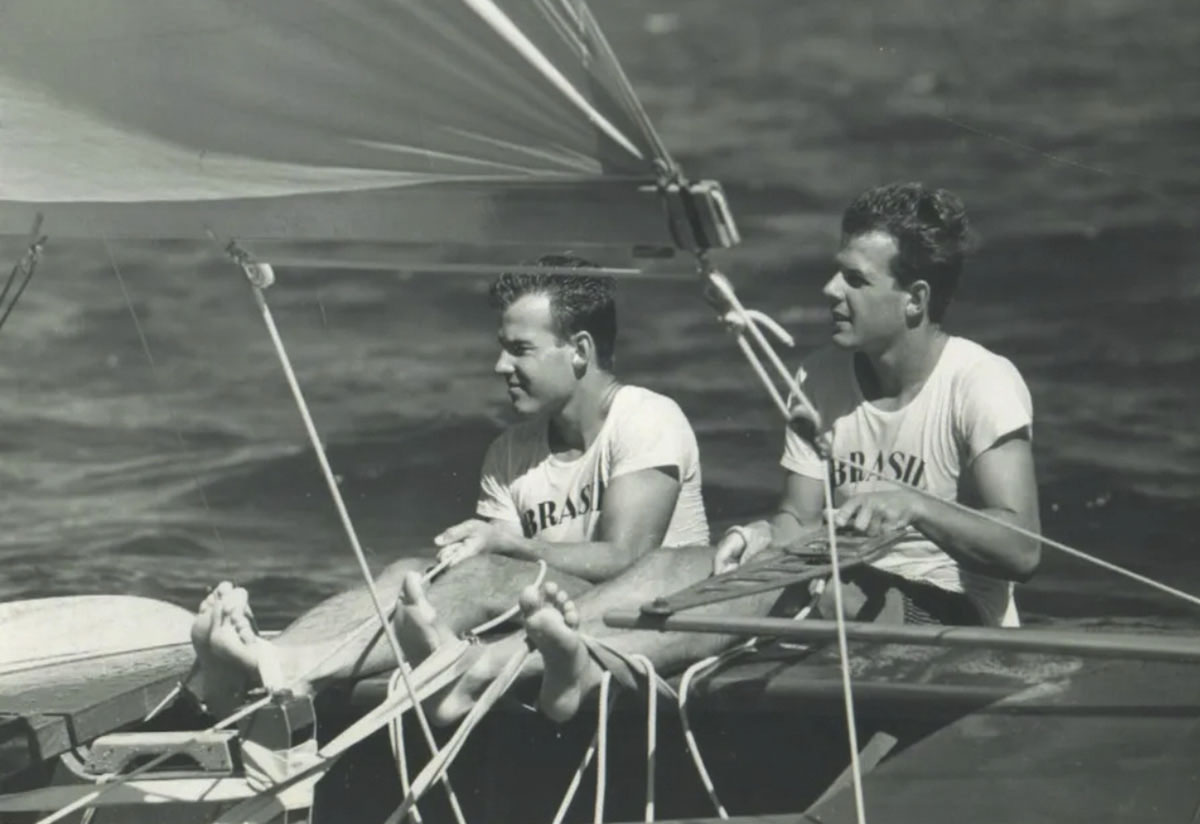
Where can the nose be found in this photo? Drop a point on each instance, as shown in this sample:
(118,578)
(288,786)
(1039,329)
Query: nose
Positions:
(835,287)
(504,363)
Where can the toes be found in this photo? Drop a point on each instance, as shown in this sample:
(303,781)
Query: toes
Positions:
(530,600)
(236,604)
(214,596)
(412,593)
(243,627)
(570,615)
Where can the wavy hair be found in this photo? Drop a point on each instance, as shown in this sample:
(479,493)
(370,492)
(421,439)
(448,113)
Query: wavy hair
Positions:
(578,302)
(931,230)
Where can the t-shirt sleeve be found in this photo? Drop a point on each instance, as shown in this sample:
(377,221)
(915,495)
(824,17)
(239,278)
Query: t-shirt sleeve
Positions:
(495,496)
(652,433)
(799,456)
(993,402)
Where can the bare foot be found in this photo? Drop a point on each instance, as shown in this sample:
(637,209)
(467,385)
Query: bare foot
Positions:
(416,622)
(230,656)
(552,623)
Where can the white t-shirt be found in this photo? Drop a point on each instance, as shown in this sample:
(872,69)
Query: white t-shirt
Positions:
(560,501)
(972,398)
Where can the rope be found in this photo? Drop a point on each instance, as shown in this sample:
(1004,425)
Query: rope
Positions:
(747,321)
(438,765)
(651,730)
(602,748)
(701,669)
(27,265)
(399,750)
(604,704)
(396,727)
(514,610)
(735,313)
(844,656)
(261,277)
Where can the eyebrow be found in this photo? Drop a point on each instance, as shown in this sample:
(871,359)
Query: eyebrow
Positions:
(848,268)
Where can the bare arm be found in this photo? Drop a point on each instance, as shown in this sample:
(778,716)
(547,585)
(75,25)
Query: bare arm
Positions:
(1003,478)
(636,513)
(800,509)
(1007,489)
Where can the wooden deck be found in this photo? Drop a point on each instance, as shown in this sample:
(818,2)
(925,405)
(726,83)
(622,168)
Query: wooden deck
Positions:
(73,669)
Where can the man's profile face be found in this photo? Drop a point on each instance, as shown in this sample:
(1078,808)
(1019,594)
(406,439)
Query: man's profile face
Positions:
(534,361)
(866,302)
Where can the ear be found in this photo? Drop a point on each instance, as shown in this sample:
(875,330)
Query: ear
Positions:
(583,351)
(916,305)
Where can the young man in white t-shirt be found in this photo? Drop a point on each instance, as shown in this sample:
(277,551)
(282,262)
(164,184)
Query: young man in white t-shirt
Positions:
(597,473)
(595,476)
(904,405)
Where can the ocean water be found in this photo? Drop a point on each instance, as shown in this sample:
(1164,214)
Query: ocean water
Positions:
(150,445)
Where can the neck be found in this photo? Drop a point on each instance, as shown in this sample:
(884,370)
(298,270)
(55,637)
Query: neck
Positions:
(577,424)
(902,368)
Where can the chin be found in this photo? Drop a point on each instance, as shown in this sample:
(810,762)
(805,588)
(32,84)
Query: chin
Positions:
(844,340)
(525,407)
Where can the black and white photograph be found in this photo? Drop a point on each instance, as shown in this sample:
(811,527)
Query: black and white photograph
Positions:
(560,411)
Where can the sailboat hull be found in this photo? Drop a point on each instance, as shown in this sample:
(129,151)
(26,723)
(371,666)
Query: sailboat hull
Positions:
(957,733)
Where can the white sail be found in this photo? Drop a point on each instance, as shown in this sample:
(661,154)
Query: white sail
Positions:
(477,123)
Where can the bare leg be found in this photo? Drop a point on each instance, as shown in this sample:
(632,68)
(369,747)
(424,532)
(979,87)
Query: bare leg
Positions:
(658,572)
(463,597)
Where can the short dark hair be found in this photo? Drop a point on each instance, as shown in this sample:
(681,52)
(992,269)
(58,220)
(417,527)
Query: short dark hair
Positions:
(578,302)
(930,227)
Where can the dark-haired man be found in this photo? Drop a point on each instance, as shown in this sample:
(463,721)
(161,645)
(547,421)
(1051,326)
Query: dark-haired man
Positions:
(598,473)
(913,417)
(595,476)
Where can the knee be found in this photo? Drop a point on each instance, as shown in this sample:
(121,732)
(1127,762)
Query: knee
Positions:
(478,566)
(396,570)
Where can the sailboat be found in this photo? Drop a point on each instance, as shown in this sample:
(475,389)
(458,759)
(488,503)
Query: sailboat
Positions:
(469,136)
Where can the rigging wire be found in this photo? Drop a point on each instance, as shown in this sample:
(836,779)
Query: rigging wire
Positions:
(23,268)
(170,409)
(260,277)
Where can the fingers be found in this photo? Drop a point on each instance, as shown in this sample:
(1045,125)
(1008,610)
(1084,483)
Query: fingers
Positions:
(460,551)
(872,515)
(860,515)
(729,553)
(459,532)
(453,534)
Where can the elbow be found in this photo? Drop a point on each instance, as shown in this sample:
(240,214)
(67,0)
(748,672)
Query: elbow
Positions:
(1025,560)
